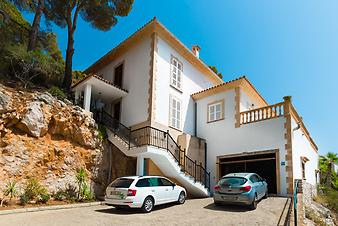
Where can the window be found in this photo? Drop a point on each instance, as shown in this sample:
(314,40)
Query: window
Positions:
(165,182)
(175,112)
(118,75)
(154,181)
(121,183)
(215,111)
(176,73)
(143,183)
(254,179)
(231,181)
(303,170)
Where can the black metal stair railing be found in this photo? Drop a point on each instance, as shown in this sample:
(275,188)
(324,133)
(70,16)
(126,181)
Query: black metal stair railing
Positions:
(113,124)
(161,139)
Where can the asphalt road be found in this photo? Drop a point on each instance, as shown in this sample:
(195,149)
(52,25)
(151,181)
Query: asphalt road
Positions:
(193,212)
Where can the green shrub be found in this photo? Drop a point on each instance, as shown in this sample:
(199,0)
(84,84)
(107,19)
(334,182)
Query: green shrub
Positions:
(328,197)
(24,199)
(86,193)
(10,189)
(331,199)
(57,92)
(70,192)
(59,195)
(36,66)
(44,198)
(33,189)
(102,132)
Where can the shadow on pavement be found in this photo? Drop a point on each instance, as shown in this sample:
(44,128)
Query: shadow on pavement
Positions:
(131,211)
(228,208)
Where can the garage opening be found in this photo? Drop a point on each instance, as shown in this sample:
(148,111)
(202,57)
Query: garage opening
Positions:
(263,164)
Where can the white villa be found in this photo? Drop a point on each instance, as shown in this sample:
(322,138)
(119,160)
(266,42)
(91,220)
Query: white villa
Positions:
(163,106)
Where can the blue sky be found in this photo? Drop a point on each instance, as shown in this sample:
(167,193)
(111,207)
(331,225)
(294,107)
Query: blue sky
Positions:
(284,47)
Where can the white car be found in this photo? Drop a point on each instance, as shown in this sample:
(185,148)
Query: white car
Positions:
(143,192)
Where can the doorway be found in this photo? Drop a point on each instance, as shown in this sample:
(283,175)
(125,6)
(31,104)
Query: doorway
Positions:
(265,164)
(117,111)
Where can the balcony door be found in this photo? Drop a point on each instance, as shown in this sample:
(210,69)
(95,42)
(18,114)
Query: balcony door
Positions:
(117,110)
(118,75)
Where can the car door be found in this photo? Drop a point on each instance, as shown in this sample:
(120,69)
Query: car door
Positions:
(263,185)
(144,189)
(169,189)
(157,190)
(257,185)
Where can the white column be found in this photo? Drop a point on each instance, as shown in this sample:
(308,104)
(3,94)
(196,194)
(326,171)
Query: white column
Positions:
(77,95)
(87,96)
(140,166)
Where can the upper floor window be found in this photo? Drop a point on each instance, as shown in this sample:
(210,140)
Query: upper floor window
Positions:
(215,111)
(118,75)
(175,112)
(176,73)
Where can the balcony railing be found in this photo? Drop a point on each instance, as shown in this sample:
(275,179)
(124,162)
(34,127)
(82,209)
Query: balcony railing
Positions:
(264,113)
(161,139)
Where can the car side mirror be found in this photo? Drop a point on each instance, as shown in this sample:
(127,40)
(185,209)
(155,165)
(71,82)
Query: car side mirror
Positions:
(173,184)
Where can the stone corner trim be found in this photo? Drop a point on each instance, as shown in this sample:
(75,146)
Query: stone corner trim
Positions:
(152,77)
(288,144)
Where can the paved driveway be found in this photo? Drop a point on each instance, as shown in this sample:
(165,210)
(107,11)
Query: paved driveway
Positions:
(193,212)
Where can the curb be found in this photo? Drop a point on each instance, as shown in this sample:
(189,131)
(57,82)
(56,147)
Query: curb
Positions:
(43,208)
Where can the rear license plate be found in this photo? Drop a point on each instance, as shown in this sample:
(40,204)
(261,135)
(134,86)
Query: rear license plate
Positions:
(229,198)
(114,193)
(117,195)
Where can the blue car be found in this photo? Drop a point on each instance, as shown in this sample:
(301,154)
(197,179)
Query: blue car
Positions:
(240,188)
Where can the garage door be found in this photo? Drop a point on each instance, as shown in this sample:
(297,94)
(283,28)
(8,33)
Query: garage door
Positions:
(262,164)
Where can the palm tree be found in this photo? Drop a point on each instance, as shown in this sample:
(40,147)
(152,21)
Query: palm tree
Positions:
(326,167)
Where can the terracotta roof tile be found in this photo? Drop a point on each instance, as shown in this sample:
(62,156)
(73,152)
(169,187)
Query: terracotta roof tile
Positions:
(219,85)
(100,78)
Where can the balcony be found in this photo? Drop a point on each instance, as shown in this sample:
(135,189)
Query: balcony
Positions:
(94,87)
(261,114)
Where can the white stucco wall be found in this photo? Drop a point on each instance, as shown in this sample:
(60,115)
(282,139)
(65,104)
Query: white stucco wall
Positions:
(134,106)
(192,81)
(302,147)
(223,138)
(248,103)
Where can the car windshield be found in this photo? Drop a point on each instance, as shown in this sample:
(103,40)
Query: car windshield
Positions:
(121,183)
(226,181)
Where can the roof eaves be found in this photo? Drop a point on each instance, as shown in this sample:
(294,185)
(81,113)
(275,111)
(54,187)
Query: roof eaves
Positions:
(100,78)
(119,45)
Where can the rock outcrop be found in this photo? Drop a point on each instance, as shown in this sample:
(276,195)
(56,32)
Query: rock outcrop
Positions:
(45,138)
(37,114)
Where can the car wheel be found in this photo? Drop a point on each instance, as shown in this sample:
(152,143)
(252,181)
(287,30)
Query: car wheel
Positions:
(253,205)
(266,194)
(181,198)
(148,205)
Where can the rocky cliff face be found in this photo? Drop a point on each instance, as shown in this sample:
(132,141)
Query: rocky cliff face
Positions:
(45,138)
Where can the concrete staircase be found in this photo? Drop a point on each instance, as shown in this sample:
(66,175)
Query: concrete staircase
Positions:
(165,161)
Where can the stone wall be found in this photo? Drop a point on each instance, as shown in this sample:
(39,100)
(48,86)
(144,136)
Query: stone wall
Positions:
(194,146)
(309,192)
(113,164)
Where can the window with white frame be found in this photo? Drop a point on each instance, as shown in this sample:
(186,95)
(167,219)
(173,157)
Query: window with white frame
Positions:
(175,112)
(176,73)
(215,111)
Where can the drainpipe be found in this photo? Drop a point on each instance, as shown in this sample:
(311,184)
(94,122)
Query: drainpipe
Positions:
(205,155)
(195,119)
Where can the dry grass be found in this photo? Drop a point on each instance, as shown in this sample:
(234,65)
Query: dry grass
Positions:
(310,214)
